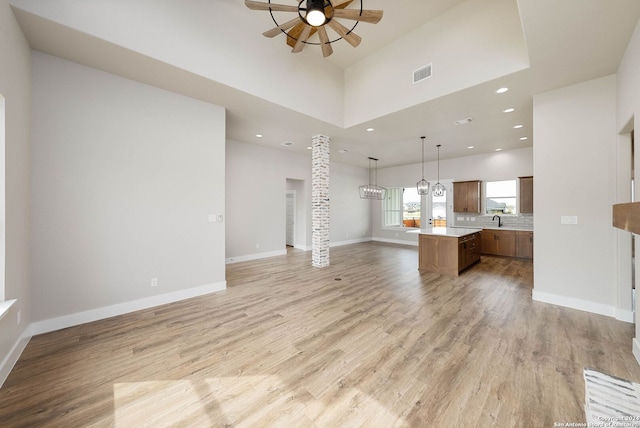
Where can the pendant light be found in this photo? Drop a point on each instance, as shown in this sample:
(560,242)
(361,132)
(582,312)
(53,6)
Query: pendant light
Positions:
(372,190)
(438,189)
(422,185)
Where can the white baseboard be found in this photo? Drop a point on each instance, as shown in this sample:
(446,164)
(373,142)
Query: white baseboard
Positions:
(583,305)
(255,256)
(624,315)
(396,241)
(636,349)
(302,247)
(12,358)
(349,242)
(71,320)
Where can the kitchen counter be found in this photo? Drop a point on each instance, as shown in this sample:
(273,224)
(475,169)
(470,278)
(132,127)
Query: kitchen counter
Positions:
(523,229)
(455,232)
(447,250)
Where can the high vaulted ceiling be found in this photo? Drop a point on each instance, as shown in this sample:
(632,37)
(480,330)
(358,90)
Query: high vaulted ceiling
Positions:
(214,50)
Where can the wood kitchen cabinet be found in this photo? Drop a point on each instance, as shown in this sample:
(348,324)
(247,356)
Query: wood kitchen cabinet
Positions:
(466,196)
(526,195)
(499,242)
(468,250)
(524,244)
(448,255)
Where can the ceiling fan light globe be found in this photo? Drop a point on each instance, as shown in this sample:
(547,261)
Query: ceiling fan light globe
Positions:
(316,18)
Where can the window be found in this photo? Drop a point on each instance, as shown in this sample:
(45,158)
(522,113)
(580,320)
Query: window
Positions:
(501,197)
(401,207)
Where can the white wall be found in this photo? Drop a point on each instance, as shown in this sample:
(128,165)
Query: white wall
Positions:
(574,168)
(208,47)
(256,188)
(124,178)
(505,165)
(628,115)
(462,39)
(15,86)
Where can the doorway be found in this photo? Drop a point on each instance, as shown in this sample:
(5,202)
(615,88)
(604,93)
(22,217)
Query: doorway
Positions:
(291,218)
(439,212)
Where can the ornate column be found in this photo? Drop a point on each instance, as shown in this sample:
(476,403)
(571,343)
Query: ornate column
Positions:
(320,201)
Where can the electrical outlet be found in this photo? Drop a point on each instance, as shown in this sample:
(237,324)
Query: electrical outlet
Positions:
(569,219)
(154,282)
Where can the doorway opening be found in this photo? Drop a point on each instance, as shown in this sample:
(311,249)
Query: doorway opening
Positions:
(439,212)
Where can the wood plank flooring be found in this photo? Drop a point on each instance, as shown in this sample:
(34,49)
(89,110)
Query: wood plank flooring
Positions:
(368,341)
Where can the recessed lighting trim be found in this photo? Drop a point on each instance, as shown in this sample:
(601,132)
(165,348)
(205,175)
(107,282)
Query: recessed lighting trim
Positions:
(259,135)
(502,90)
(498,150)
(287,144)
(370,129)
(509,110)
(309,148)
(463,121)
(524,138)
(471,147)
(517,126)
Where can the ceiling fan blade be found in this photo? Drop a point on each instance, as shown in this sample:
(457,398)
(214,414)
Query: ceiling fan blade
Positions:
(280,28)
(324,42)
(294,34)
(370,16)
(306,32)
(352,38)
(257,5)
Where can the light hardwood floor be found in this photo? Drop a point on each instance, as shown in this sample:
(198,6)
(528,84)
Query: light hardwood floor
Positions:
(368,341)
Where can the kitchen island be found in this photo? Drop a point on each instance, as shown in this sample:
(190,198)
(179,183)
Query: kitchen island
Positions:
(447,250)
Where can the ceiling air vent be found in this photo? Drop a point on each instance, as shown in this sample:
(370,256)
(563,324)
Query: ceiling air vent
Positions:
(422,73)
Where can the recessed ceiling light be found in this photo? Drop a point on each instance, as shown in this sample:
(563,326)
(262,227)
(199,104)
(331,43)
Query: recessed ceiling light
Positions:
(309,148)
(508,110)
(471,147)
(523,138)
(517,126)
(502,90)
(498,150)
(463,121)
(287,144)
(259,135)
(370,129)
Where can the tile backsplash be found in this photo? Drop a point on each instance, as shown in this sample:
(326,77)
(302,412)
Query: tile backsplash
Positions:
(522,221)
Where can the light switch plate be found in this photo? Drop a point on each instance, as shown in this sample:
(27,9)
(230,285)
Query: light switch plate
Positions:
(569,219)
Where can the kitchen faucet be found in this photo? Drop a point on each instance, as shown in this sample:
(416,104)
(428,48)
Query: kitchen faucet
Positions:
(499,221)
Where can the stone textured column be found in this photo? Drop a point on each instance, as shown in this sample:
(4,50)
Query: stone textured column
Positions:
(320,201)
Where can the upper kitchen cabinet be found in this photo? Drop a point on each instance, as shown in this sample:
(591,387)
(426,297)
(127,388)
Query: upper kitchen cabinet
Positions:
(466,196)
(526,195)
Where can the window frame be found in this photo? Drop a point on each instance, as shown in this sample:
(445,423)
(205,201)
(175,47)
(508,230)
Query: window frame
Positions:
(398,211)
(515,197)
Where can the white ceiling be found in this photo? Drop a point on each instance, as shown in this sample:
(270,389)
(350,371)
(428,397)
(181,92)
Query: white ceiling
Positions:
(567,41)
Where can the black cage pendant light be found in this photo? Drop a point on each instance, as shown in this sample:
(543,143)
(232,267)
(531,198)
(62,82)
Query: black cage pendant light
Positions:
(422,185)
(438,189)
(372,190)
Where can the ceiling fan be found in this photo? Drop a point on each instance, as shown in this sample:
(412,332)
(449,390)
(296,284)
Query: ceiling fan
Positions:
(313,16)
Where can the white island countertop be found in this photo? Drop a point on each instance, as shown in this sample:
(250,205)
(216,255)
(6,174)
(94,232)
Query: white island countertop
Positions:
(455,232)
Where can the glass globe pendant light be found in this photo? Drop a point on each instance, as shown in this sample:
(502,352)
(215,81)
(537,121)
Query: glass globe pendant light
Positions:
(423,185)
(438,189)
